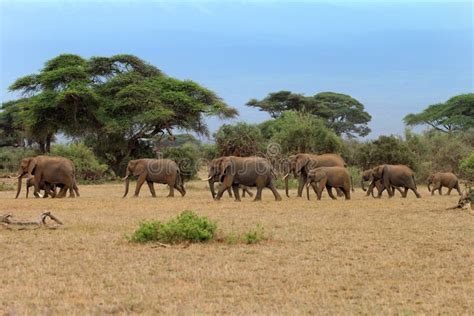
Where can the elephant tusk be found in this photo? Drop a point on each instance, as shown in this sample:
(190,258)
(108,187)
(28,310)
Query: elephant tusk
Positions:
(207,178)
(286,176)
(125,178)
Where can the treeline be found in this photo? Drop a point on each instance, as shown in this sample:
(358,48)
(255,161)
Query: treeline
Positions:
(119,108)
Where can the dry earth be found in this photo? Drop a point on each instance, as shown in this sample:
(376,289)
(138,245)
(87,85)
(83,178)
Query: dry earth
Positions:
(364,256)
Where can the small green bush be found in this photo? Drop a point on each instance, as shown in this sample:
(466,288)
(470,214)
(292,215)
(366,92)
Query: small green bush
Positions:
(86,163)
(188,226)
(254,236)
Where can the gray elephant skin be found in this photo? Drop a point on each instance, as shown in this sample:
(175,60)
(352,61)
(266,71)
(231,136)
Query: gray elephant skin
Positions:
(443,179)
(367,176)
(395,175)
(52,170)
(329,177)
(301,164)
(163,171)
(234,171)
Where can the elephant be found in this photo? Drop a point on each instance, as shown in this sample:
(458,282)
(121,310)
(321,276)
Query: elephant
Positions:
(233,171)
(300,164)
(49,189)
(443,179)
(329,177)
(395,175)
(51,170)
(212,179)
(367,176)
(164,171)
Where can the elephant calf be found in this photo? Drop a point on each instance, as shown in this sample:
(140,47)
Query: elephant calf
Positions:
(329,177)
(367,175)
(395,176)
(443,179)
(49,189)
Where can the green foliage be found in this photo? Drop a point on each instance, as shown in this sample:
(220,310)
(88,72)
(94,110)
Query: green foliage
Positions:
(186,157)
(280,183)
(455,114)
(240,139)
(356,175)
(10,158)
(385,150)
(467,167)
(86,163)
(340,112)
(209,151)
(187,227)
(299,132)
(254,236)
(114,104)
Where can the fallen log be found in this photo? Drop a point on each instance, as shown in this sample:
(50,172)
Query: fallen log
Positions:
(8,222)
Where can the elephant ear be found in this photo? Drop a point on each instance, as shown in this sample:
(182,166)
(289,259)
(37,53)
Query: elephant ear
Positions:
(32,166)
(301,162)
(224,168)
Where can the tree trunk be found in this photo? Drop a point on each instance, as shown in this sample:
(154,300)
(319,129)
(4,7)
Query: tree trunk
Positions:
(48,143)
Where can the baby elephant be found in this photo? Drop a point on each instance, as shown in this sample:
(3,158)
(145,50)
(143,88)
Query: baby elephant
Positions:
(49,189)
(443,179)
(329,177)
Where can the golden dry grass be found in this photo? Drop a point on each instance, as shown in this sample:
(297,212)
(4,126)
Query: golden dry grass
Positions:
(362,256)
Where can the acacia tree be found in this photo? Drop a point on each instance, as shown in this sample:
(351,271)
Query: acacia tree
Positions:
(455,114)
(340,112)
(113,103)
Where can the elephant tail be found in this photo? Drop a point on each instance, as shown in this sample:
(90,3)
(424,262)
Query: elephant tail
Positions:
(414,182)
(352,184)
(179,178)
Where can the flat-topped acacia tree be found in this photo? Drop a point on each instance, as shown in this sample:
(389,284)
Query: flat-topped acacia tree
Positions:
(111,103)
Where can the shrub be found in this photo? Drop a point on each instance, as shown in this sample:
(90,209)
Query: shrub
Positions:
(186,157)
(240,139)
(10,158)
(86,163)
(255,235)
(186,227)
(467,167)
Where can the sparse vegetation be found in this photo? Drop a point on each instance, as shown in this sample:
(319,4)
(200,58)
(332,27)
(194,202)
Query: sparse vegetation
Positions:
(187,227)
(6,186)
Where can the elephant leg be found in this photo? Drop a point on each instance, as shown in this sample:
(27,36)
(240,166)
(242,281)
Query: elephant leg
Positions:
(230,192)
(152,188)
(140,181)
(371,188)
(171,194)
(398,189)
(180,189)
(235,188)
(339,192)
(277,196)
(243,192)
(221,190)
(458,189)
(258,196)
(329,189)
(248,191)
(62,192)
(433,190)
(76,189)
(440,189)
(347,192)
(404,195)
(415,191)
(71,192)
(449,190)
(301,182)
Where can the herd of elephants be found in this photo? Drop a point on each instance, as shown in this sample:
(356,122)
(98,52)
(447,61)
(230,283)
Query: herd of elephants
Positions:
(325,171)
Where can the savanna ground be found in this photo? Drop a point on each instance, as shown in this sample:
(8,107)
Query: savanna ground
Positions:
(363,256)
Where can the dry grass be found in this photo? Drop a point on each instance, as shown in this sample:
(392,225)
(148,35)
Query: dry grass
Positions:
(362,256)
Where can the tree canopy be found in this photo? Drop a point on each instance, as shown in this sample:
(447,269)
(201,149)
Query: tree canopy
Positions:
(340,112)
(113,103)
(455,114)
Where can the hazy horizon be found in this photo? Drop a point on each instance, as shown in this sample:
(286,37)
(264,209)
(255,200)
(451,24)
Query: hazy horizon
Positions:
(394,57)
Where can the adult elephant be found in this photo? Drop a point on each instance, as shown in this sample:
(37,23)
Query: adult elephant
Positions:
(233,171)
(163,171)
(301,164)
(213,178)
(443,179)
(367,176)
(52,170)
(330,177)
(395,175)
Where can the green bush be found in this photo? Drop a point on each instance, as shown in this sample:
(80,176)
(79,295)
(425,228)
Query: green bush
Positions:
(292,183)
(467,167)
(241,139)
(86,163)
(188,226)
(186,157)
(10,158)
(6,186)
(254,236)
(356,175)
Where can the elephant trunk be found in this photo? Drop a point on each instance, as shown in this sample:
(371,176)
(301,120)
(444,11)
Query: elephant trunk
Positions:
(286,183)
(127,183)
(19,185)
(211,187)
(362,184)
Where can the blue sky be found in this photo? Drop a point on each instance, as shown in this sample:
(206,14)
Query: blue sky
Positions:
(395,57)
